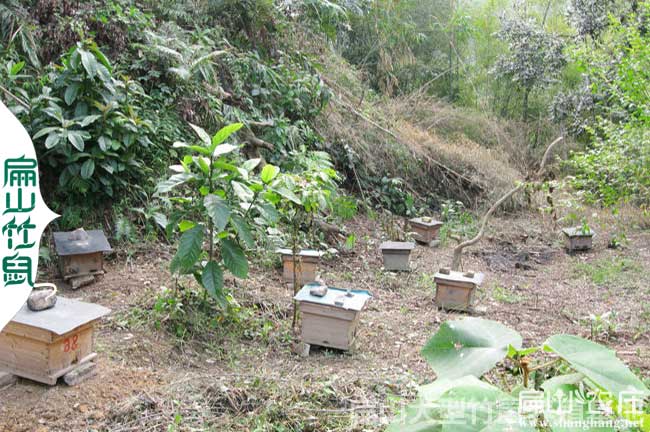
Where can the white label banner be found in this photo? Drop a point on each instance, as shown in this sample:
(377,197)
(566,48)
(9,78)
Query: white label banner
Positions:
(23,215)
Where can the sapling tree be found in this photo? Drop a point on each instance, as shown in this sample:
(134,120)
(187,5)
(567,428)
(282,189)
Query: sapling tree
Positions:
(458,250)
(217,200)
(301,197)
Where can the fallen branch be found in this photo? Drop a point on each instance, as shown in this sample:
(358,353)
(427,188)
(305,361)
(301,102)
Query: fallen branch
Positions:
(458,250)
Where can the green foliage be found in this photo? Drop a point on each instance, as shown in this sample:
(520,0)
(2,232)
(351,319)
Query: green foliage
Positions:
(215,197)
(614,167)
(462,351)
(458,222)
(609,272)
(390,193)
(87,126)
(468,347)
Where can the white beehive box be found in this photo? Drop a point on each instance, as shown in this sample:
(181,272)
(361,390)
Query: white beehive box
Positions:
(46,345)
(578,239)
(396,255)
(425,229)
(307,262)
(455,290)
(331,320)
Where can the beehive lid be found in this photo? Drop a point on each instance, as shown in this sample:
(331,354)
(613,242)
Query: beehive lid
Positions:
(397,246)
(455,276)
(305,252)
(577,232)
(80,242)
(355,303)
(65,316)
(429,222)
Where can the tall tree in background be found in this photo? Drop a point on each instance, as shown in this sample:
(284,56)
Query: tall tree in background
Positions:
(534,59)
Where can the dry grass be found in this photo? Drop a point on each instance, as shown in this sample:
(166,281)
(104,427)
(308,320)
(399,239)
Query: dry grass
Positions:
(441,151)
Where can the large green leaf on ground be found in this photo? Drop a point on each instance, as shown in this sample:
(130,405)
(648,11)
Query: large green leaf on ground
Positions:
(470,346)
(596,362)
(607,373)
(458,405)
(189,250)
(234,258)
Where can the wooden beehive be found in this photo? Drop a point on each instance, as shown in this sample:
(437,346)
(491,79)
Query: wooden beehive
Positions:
(81,253)
(455,290)
(396,255)
(306,266)
(425,229)
(330,321)
(46,345)
(578,239)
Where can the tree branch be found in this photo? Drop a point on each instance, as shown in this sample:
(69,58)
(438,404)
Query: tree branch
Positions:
(458,250)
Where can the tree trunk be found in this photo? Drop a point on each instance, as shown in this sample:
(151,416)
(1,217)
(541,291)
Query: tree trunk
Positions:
(458,251)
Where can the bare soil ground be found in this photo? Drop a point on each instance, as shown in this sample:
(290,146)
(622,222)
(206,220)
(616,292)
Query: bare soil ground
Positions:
(244,376)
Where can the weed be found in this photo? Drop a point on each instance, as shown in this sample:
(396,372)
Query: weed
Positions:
(601,326)
(344,207)
(504,295)
(618,271)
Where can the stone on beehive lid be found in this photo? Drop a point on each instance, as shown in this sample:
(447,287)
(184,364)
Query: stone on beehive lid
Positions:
(81,252)
(425,229)
(455,290)
(578,239)
(306,265)
(46,345)
(396,255)
(330,320)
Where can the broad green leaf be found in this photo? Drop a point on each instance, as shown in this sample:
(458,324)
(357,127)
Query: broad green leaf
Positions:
(269,172)
(463,404)
(243,230)
(288,194)
(89,62)
(44,132)
(269,212)
(251,164)
(218,210)
(243,192)
(173,181)
(470,346)
(52,140)
(89,120)
(189,250)
(71,93)
(185,225)
(203,135)
(212,280)
(558,382)
(234,258)
(223,149)
(605,371)
(596,362)
(224,133)
(87,169)
(76,139)
(16,68)
(104,142)
(161,220)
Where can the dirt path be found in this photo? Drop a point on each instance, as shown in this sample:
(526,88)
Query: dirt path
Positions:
(244,376)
